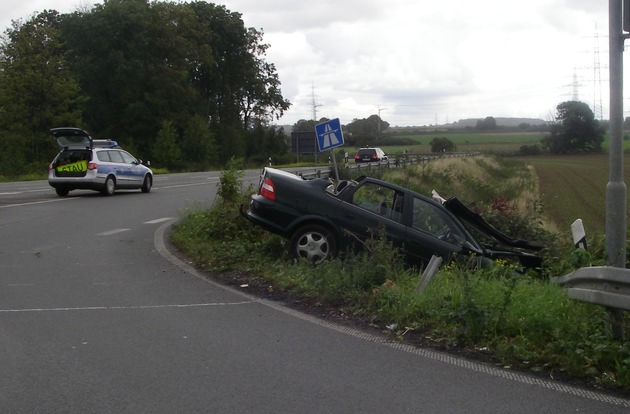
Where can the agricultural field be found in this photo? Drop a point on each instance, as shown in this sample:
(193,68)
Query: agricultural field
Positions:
(574,186)
(571,186)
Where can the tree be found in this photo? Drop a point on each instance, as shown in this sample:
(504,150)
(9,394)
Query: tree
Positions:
(442,145)
(576,130)
(166,152)
(372,126)
(37,92)
(199,147)
(487,124)
(304,125)
(137,63)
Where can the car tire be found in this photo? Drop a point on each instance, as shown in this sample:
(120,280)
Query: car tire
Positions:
(110,186)
(62,192)
(146,184)
(313,243)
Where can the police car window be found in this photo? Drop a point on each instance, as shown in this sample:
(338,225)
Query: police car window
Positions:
(128,158)
(115,156)
(103,156)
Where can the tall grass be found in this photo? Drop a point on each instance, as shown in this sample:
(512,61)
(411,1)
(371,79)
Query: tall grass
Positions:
(498,313)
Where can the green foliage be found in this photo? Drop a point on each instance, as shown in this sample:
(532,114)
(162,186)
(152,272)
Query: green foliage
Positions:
(199,147)
(487,124)
(530,150)
(442,145)
(577,130)
(122,67)
(37,92)
(229,189)
(515,319)
(166,152)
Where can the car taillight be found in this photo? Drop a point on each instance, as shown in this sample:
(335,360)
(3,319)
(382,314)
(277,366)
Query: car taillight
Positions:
(357,156)
(92,166)
(268,190)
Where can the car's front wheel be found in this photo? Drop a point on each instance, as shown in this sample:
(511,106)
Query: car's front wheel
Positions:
(146,184)
(313,243)
(110,186)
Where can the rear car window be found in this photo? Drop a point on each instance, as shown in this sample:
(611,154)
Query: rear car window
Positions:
(115,156)
(103,156)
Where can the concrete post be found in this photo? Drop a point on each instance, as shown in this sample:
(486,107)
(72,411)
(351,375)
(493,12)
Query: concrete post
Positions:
(616,188)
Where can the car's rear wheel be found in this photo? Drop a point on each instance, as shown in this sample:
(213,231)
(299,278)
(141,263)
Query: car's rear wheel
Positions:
(110,186)
(313,243)
(146,184)
(62,192)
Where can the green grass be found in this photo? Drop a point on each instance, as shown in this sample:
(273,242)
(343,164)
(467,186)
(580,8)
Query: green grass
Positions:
(513,319)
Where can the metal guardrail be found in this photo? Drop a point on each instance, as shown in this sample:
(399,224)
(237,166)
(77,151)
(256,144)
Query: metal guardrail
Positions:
(395,162)
(600,285)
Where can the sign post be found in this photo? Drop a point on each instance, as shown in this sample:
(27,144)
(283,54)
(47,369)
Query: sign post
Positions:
(330,136)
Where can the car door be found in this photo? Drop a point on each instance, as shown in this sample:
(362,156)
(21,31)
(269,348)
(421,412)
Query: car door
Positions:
(120,169)
(373,208)
(431,231)
(134,171)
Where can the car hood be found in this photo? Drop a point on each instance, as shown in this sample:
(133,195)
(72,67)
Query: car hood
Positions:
(465,214)
(72,137)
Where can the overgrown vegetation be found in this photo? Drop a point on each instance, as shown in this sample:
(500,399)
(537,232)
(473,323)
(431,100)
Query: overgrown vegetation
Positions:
(498,314)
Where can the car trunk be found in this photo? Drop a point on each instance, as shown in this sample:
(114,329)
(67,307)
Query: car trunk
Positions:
(72,163)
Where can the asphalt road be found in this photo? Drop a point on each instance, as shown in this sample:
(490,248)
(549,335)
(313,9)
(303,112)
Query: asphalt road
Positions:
(98,316)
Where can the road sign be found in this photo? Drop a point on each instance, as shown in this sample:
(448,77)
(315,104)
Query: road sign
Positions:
(329,134)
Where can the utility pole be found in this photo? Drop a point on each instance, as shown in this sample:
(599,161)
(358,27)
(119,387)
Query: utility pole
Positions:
(313,102)
(379,118)
(619,20)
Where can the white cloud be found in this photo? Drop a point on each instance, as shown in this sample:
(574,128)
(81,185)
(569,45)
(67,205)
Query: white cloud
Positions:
(418,61)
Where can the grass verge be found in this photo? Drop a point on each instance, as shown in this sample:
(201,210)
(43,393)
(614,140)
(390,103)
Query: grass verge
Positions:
(497,314)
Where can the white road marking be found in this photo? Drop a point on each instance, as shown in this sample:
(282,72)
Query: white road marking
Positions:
(38,202)
(25,191)
(109,233)
(92,308)
(160,220)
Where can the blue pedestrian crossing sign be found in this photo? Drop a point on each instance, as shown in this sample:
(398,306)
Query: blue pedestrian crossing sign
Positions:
(329,134)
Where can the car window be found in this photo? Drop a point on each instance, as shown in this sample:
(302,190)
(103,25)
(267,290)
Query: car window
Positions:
(128,158)
(378,199)
(103,156)
(72,156)
(430,219)
(115,156)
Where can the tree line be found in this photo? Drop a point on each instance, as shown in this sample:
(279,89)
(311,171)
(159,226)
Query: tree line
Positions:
(185,85)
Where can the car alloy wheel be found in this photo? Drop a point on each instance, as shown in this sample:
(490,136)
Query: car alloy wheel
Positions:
(313,243)
(110,186)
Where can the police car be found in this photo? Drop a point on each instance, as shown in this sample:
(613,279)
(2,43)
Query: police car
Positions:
(100,165)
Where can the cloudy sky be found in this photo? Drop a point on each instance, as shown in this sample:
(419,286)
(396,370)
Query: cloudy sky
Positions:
(422,62)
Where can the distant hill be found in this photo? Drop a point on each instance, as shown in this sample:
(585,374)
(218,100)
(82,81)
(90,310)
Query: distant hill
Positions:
(504,122)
